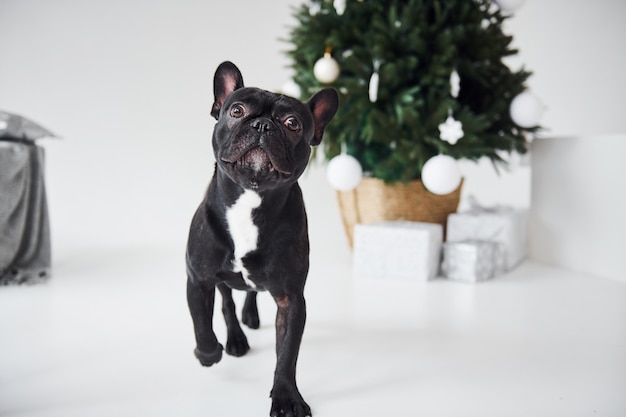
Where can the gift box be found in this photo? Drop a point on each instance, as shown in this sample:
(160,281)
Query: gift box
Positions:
(472,261)
(504,225)
(397,250)
(24,226)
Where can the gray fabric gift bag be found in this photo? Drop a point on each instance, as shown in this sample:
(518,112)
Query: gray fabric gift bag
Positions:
(25,255)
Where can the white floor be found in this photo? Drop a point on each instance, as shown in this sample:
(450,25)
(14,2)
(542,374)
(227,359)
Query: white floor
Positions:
(109,335)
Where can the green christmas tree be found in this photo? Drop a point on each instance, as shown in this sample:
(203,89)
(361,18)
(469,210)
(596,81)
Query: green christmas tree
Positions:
(414,47)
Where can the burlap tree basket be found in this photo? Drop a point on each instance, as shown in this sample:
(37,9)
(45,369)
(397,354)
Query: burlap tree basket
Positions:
(374,201)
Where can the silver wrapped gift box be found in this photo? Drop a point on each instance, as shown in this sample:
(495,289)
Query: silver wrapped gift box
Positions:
(397,250)
(504,225)
(472,261)
(24,225)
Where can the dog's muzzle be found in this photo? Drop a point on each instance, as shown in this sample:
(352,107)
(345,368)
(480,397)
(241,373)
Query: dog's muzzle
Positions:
(265,153)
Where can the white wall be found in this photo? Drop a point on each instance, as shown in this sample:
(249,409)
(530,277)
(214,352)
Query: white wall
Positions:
(575,49)
(127,84)
(578,216)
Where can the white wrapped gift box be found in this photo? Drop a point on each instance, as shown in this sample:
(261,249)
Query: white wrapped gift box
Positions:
(397,250)
(472,261)
(504,225)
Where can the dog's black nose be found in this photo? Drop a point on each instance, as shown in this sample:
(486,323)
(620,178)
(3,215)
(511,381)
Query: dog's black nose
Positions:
(262,124)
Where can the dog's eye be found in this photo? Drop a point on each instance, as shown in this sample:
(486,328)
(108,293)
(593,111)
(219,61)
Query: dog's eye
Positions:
(236,111)
(292,124)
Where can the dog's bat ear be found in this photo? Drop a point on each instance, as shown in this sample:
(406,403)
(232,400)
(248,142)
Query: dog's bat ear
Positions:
(323,106)
(227,79)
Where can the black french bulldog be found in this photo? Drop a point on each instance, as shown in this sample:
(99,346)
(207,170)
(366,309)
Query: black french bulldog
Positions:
(250,231)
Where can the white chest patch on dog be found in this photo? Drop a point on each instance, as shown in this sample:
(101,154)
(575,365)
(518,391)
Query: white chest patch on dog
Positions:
(243,231)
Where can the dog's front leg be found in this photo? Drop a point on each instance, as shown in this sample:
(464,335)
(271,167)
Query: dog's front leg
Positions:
(201,299)
(237,343)
(290,319)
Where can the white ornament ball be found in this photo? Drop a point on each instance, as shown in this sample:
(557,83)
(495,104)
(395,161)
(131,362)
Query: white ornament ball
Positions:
(526,109)
(326,69)
(509,5)
(441,175)
(344,172)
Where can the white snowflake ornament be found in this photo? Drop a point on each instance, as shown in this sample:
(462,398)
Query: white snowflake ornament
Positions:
(451,130)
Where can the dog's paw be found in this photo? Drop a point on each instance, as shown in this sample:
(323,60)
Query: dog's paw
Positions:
(237,345)
(209,358)
(250,317)
(289,404)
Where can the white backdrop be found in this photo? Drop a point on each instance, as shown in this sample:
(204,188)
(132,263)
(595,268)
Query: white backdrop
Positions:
(127,84)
